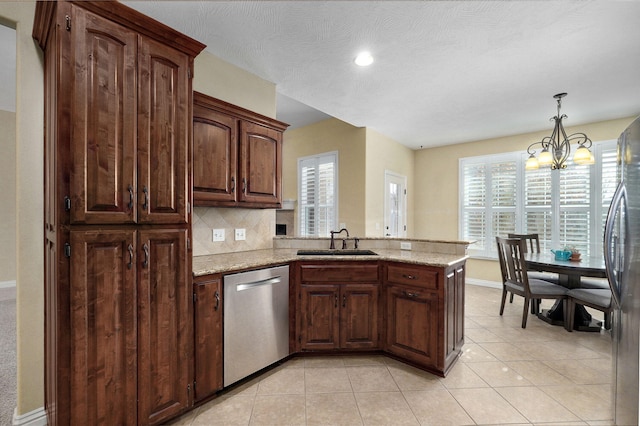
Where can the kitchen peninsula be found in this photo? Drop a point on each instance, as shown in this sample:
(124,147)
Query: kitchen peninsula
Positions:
(408,304)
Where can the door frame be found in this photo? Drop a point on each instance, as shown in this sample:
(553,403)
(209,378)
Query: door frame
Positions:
(401,180)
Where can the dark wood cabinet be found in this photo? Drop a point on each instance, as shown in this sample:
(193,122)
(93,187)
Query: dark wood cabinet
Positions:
(339,305)
(164,325)
(425,314)
(412,324)
(130,116)
(208,341)
(103,334)
(118,331)
(237,160)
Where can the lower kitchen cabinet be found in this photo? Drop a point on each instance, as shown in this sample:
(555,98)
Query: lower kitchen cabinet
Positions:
(412,323)
(164,325)
(340,316)
(130,329)
(339,305)
(103,333)
(207,292)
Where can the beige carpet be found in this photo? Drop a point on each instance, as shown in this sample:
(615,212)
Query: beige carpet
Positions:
(7,355)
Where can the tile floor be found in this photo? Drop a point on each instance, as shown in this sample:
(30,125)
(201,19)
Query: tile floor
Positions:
(541,375)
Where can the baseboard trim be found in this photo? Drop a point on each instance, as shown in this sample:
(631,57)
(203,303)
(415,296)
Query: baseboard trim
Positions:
(483,283)
(37,417)
(7,284)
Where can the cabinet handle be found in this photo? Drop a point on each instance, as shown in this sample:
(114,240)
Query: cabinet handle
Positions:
(130,188)
(409,277)
(130,248)
(344,301)
(244,185)
(217,296)
(409,294)
(145,262)
(145,191)
(233,184)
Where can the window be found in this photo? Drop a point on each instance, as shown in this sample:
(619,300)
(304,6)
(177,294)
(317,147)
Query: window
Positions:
(565,208)
(318,194)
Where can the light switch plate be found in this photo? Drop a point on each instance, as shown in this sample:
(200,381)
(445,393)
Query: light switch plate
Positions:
(241,234)
(218,235)
(405,246)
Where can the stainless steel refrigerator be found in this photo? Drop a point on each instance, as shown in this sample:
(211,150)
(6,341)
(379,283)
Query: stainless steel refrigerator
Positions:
(622,258)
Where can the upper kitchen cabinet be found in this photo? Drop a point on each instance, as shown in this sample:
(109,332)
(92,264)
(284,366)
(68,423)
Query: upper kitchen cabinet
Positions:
(123,100)
(237,156)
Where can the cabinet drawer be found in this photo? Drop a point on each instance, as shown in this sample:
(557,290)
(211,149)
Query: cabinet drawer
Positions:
(412,275)
(339,273)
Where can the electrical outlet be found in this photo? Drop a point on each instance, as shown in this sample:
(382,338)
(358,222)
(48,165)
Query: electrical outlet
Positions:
(241,234)
(218,235)
(405,246)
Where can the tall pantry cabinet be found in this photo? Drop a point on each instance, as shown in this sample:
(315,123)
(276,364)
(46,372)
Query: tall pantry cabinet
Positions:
(118,340)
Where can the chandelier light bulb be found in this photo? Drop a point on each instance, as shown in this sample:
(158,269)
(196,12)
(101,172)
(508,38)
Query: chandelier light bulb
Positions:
(582,156)
(545,158)
(532,163)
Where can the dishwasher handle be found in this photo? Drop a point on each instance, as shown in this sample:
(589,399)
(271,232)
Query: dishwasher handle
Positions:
(254,284)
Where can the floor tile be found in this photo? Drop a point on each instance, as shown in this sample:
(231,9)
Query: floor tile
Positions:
(323,380)
(270,410)
(581,401)
(498,374)
(505,351)
(385,408)
(537,372)
(461,376)
(536,406)
(371,379)
(486,406)
(437,407)
(474,352)
(411,378)
(285,381)
(232,410)
(339,409)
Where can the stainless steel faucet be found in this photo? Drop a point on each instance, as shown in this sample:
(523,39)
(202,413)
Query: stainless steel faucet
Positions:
(333,243)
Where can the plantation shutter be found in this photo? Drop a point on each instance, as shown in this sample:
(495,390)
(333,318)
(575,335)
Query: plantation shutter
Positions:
(317,195)
(575,202)
(474,204)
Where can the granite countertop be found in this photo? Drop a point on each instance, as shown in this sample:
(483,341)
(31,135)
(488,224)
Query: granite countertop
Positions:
(232,262)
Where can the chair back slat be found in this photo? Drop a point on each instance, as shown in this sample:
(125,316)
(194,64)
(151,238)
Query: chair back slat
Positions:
(532,242)
(512,264)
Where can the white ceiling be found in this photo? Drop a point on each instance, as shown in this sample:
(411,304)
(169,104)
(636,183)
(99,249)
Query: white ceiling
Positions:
(444,71)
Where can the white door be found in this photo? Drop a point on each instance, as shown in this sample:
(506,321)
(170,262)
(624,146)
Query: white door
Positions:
(395,205)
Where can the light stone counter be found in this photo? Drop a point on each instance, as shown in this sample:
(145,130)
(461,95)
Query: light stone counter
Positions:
(233,262)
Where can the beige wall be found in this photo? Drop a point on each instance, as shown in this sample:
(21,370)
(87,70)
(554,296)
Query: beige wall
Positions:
(224,81)
(326,136)
(7,196)
(385,154)
(29,204)
(436,180)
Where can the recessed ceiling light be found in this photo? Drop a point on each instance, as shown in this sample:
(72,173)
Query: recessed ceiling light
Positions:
(364,59)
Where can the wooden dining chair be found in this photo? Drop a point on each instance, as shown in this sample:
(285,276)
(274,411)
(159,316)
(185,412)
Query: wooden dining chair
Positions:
(532,245)
(596,298)
(515,279)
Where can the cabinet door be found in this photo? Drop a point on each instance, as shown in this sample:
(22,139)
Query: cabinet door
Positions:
(208,336)
(164,122)
(260,164)
(103,328)
(103,114)
(359,316)
(412,324)
(164,342)
(319,322)
(215,156)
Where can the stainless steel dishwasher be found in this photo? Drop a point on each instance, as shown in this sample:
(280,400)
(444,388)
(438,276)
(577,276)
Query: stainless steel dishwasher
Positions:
(256,321)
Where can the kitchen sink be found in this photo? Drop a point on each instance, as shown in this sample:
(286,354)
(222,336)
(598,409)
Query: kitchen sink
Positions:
(345,252)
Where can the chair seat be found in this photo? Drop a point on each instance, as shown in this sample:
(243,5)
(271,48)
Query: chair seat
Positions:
(539,287)
(545,276)
(595,283)
(597,297)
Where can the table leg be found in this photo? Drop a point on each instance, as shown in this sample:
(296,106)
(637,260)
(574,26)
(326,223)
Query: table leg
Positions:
(582,319)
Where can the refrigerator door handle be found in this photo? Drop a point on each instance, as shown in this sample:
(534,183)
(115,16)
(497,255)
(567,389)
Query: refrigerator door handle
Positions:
(614,280)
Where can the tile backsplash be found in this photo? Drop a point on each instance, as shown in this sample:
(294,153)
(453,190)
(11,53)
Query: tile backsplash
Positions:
(260,225)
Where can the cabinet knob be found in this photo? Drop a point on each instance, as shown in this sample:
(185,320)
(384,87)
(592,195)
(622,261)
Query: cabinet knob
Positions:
(130,264)
(217,296)
(145,261)
(145,191)
(130,189)
(409,277)
(409,294)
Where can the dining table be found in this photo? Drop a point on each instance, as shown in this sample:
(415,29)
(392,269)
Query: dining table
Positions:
(570,273)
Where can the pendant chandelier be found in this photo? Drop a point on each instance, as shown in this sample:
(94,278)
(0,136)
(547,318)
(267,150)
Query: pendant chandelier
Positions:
(556,148)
